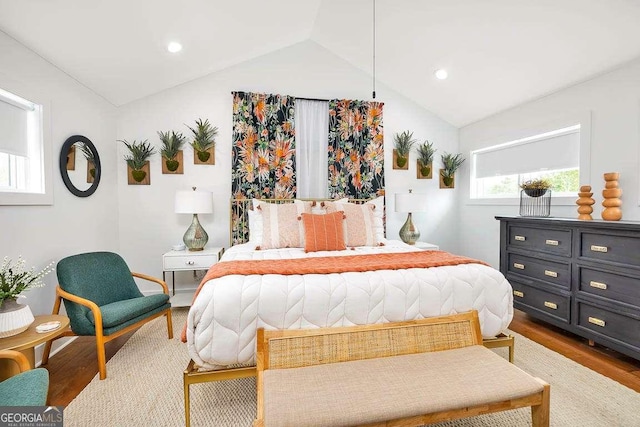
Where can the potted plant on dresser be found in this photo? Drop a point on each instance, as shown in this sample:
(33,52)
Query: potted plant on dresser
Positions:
(403,143)
(450,164)
(138,162)
(425,160)
(535,187)
(15,279)
(204,142)
(171,152)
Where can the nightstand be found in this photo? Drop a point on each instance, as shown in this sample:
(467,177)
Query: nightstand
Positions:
(187,261)
(427,246)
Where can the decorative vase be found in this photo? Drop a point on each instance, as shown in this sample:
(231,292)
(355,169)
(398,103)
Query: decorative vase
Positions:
(611,194)
(203,156)
(172,164)
(14,318)
(585,203)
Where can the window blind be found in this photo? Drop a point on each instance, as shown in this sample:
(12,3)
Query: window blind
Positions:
(550,153)
(13,122)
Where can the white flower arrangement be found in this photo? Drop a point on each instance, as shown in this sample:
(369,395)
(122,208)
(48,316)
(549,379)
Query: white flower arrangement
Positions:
(15,278)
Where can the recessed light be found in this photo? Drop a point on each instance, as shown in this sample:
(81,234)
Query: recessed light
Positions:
(174,47)
(441,74)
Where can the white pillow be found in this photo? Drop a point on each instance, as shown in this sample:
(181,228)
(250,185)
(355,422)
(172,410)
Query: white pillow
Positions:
(378,217)
(255,227)
(282,226)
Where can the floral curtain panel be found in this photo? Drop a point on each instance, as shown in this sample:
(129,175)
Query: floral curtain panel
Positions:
(263,151)
(356,149)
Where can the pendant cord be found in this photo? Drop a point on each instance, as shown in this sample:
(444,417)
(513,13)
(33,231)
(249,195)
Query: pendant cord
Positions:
(374,49)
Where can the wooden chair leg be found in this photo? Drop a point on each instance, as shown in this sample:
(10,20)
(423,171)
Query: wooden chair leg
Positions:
(512,348)
(47,346)
(169,324)
(540,413)
(102,362)
(187,403)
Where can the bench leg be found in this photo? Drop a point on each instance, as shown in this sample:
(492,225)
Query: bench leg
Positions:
(512,348)
(540,413)
(187,403)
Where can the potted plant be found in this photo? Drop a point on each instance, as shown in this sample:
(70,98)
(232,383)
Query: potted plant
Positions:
(91,162)
(204,141)
(536,187)
(403,143)
(425,159)
(450,164)
(15,279)
(139,153)
(172,143)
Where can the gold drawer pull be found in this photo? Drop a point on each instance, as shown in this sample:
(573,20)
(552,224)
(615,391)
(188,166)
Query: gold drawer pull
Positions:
(551,242)
(550,273)
(596,248)
(520,238)
(518,294)
(518,266)
(598,285)
(551,305)
(597,321)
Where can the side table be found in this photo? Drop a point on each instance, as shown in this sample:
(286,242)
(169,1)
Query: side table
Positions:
(186,260)
(26,341)
(427,246)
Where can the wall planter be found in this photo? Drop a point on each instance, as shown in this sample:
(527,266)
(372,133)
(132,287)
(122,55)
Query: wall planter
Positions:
(400,162)
(447,181)
(71,158)
(91,172)
(424,171)
(139,176)
(207,157)
(174,166)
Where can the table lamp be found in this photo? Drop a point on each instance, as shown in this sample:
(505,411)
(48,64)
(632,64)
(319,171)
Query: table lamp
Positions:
(410,202)
(194,202)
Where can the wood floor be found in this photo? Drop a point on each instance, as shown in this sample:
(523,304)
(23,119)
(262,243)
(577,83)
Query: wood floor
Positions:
(75,366)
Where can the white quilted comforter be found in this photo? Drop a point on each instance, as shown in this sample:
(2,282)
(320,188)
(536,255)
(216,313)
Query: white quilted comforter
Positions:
(222,322)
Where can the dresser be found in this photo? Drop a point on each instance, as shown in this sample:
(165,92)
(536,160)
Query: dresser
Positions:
(582,276)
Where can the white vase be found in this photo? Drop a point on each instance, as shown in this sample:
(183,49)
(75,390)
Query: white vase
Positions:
(14,318)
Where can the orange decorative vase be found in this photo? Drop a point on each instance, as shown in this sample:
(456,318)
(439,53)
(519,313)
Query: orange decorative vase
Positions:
(611,194)
(585,203)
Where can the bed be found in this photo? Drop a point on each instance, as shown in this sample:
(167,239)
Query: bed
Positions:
(222,322)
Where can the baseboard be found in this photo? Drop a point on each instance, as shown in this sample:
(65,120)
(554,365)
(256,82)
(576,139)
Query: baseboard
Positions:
(58,345)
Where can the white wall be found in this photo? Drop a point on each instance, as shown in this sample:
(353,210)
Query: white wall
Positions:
(148,225)
(612,100)
(42,234)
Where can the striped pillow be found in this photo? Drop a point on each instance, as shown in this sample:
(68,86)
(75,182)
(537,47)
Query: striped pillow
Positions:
(281,227)
(359,225)
(323,232)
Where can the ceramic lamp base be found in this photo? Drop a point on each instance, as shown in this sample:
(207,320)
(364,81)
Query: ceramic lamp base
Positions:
(409,233)
(16,321)
(195,238)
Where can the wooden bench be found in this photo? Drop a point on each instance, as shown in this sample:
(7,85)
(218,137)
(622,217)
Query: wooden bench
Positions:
(395,374)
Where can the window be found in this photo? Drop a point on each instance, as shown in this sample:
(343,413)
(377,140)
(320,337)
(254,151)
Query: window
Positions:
(22,152)
(498,171)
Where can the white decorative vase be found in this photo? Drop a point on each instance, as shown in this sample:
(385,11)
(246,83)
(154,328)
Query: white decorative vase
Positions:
(14,318)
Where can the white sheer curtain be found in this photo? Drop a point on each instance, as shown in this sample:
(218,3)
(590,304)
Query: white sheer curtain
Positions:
(312,135)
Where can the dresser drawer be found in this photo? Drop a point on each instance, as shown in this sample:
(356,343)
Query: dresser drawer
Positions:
(549,303)
(188,262)
(609,324)
(614,286)
(553,241)
(623,249)
(536,268)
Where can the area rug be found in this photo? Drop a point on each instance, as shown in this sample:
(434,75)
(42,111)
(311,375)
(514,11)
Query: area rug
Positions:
(144,387)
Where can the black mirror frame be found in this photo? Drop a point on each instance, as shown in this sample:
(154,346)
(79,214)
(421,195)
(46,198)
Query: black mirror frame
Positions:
(63,166)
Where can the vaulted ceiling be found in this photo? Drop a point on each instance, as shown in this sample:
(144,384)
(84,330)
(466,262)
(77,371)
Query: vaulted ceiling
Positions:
(499,53)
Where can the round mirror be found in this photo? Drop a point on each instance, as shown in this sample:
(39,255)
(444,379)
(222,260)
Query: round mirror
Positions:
(80,165)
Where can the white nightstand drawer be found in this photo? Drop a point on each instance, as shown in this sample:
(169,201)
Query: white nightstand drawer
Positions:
(188,262)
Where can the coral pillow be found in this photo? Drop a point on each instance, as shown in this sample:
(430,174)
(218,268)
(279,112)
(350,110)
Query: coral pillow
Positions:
(323,232)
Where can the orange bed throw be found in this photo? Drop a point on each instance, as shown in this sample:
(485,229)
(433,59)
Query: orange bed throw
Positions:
(334,264)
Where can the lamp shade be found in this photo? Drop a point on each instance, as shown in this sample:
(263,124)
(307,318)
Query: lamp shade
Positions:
(411,202)
(194,202)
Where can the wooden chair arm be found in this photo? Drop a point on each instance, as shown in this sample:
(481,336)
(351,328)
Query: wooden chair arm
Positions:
(162,283)
(97,314)
(20,359)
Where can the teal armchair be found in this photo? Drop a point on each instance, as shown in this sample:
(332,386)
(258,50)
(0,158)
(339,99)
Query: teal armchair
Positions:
(102,299)
(28,388)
